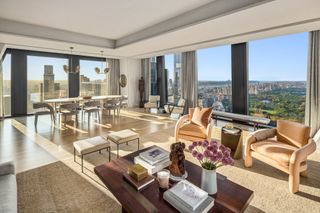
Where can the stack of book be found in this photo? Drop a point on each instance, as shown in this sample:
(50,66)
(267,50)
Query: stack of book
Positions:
(138,177)
(153,160)
(188,198)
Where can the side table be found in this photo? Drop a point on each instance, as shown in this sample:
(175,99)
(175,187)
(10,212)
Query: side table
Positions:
(232,138)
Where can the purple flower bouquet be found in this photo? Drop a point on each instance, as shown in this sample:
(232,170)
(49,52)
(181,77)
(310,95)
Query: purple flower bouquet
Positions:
(211,155)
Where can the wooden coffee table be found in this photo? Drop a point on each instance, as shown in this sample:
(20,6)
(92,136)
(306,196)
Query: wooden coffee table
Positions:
(230,197)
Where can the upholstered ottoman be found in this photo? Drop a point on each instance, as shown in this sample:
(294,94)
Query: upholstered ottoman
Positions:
(90,145)
(123,136)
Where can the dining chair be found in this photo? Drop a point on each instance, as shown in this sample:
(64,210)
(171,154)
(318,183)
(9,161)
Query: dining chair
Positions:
(43,109)
(69,110)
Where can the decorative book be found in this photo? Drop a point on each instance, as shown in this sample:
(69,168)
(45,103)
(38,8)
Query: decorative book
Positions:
(154,155)
(186,197)
(152,168)
(139,185)
(137,172)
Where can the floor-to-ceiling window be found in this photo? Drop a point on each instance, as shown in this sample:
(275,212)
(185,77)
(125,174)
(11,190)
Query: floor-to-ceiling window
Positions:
(214,77)
(173,68)
(153,76)
(93,79)
(277,77)
(46,79)
(6,65)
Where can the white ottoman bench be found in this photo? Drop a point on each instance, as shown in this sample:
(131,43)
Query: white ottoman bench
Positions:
(123,136)
(90,145)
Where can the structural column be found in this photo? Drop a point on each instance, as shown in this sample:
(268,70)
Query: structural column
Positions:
(162,81)
(239,58)
(74,78)
(18,83)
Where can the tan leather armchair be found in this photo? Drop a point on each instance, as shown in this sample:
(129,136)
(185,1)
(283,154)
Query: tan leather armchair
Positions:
(188,130)
(285,148)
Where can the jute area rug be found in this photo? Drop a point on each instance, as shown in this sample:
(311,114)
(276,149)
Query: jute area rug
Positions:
(57,188)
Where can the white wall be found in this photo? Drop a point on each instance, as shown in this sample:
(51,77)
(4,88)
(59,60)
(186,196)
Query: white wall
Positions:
(132,69)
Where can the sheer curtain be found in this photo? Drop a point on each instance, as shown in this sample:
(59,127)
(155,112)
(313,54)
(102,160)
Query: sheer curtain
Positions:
(114,88)
(189,76)
(312,117)
(145,73)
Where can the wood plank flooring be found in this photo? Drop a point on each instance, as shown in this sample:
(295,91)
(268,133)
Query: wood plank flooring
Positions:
(32,147)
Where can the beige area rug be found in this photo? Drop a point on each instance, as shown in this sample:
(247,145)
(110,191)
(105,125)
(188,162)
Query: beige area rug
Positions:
(270,186)
(57,188)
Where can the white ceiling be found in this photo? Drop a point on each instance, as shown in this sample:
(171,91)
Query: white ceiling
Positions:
(270,18)
(112,19)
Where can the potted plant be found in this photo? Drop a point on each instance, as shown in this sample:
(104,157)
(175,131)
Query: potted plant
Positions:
(211,156)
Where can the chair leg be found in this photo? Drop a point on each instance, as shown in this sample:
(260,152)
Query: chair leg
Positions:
(76,119)
(36,121)
(248,160)
(74,154)
(109,149)
(82,163)
(89,115)
(294,180)
(117,150)
(65,120)
(99,117)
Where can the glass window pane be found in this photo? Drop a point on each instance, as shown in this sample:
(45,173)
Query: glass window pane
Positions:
(153,77)
(277,77)
(46,79)
(173,68)
(6,65)
(93,83)
(214,77)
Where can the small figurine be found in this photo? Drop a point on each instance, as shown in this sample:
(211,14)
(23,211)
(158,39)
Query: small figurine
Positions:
(141,91)
(177,159)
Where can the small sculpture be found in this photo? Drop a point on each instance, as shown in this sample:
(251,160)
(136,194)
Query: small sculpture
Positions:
(123,80)
(141,91)
(177,159)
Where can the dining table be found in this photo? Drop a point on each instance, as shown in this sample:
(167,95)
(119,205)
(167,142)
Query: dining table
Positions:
(80,99)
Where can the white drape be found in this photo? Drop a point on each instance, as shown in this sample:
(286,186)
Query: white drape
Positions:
(189,76)
(114,83)
(312,116)
(145,73)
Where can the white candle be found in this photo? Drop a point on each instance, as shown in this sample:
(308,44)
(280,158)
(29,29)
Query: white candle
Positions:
(163,178)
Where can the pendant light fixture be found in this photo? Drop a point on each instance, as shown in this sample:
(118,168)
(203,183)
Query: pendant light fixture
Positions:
(68,69)
(101,70)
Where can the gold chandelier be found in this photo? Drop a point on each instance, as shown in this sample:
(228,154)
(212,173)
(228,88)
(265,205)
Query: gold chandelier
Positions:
(68,69)
(105,70)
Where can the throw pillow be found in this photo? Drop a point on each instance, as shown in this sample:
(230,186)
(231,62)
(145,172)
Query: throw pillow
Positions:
(201,116)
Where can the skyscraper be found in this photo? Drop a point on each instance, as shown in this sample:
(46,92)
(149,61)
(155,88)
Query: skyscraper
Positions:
(177,74)
(153,76)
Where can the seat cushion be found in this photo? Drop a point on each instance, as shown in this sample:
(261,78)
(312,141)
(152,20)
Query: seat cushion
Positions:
(194,130)
(123,136)
(201,116)
(91,145)
(150,105)
(8,193)
(277,151)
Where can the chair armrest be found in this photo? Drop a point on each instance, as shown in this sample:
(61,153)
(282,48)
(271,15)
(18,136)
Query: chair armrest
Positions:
(257,136)
(7,168)
(180,122)
(301,154)
(209,131)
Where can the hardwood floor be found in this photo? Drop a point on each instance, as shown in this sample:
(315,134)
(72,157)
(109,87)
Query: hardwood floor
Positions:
(32,147)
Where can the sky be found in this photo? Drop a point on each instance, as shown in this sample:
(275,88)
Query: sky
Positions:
(282,58)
